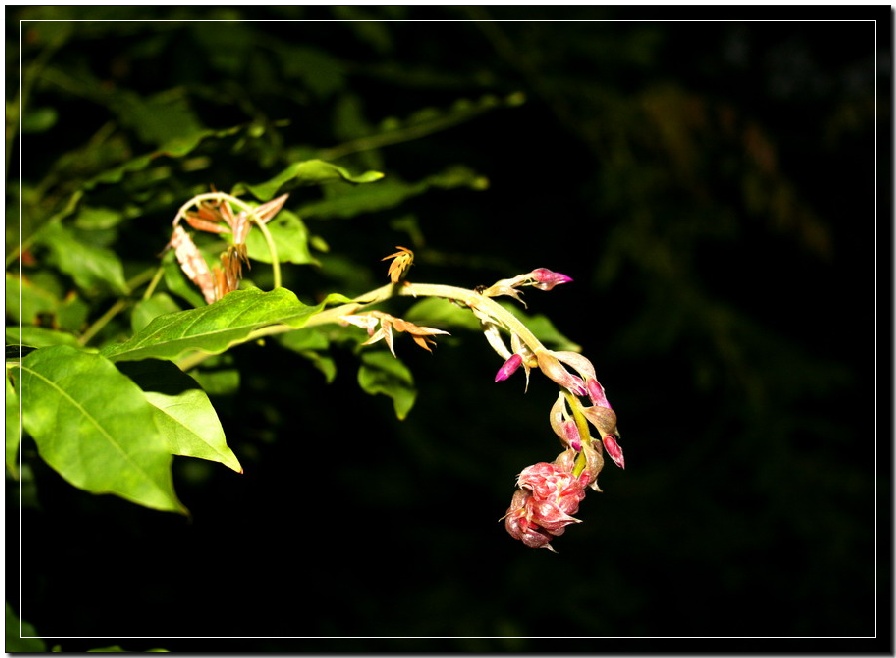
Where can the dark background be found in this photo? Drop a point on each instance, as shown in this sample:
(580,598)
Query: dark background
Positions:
(714,190)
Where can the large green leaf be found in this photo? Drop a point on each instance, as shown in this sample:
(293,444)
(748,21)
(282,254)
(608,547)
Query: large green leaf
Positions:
(309,172)
(380,372)
(213,328)
(183,412)
(95,427)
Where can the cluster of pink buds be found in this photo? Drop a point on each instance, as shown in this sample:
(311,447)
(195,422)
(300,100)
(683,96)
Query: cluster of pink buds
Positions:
(549,493)
(547,497)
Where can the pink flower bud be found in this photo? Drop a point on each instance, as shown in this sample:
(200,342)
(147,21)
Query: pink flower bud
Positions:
(614,450)
(597,394)
(509,367)
(571,435)
(545,279)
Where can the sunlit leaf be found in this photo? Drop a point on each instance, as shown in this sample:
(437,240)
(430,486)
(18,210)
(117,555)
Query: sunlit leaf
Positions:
(309,172)
(213,328)
(184,414)
(380,372)
(94,426)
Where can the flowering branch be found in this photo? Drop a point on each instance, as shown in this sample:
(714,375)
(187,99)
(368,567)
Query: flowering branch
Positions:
(548,493)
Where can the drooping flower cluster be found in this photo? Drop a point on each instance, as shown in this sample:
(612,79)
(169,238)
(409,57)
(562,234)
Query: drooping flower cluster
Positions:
(549,493)
(215,216)
(543,505)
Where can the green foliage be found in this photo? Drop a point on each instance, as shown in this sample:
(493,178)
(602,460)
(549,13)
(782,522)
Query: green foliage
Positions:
(95,426)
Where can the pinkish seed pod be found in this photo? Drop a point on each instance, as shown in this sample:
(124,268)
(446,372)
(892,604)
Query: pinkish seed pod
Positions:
(509,367)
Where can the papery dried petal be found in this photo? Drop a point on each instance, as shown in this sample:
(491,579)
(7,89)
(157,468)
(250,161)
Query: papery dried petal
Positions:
(550,365)
(192,263)
(603,418)
(577,362)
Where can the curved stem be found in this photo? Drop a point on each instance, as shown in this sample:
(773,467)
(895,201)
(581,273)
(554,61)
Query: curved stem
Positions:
(275,260)
(470,298)
(102,321)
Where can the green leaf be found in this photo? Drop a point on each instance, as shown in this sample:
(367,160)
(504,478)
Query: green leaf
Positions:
(309,172)
(434,311)
(217,375)
(159,119)
(27,298)
(438,312)
(380,372)
(345,203)
(179,284)
(147,310)
(312,345)
(213,328)
(290,237)
(39,337)
(175,147)
(544,329)
(13,428)
(183,412)
(39,119)
(91,267)
(94,426)
(21,639)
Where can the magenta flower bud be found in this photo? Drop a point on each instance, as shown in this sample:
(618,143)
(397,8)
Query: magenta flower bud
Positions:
(545,279)
(571,435)
(614,450)
(509,367)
